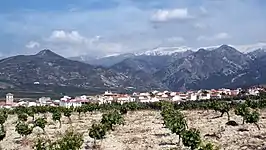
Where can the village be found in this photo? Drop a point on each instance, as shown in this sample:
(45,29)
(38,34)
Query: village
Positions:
(109,97)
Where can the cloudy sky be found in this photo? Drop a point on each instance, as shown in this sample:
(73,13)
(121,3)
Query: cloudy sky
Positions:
(101,27)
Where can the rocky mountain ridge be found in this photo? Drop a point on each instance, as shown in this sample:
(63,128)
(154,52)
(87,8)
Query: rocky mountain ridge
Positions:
(221,67)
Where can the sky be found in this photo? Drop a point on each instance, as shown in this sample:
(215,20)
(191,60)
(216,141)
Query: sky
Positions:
(104,27)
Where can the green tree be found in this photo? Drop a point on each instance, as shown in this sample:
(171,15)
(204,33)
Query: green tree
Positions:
(191,138)
(70,140)
(23,129)
(22,117)
(222,107)
(40,122)
(112,118)
(3,118)
(67,113)
(79,110)
(2,133)
(242,110)
(30,112)
(97,132)
(253,117)
(208,146)
(123,110)
(57,117)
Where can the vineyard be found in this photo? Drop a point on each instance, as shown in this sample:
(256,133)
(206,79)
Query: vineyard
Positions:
(201,125)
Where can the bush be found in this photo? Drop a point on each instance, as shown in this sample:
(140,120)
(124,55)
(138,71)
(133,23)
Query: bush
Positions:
(2,133)
(22,117)
(253,118)
(69,141)
(40,122)
(242,110)
(57,117)
(97,131)
(3,118)
(23,129)
(191,138)
(67,113)
(112,118)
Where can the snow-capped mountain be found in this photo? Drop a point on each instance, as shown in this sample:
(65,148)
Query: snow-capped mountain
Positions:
(111,59)
(250,47)
(162,51)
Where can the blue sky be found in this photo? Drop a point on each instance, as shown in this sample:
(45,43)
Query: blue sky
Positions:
(101,27)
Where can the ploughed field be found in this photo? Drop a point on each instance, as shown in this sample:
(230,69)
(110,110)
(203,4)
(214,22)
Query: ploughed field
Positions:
(144,130)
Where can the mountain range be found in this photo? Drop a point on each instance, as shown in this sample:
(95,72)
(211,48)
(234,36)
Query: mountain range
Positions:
(158,69)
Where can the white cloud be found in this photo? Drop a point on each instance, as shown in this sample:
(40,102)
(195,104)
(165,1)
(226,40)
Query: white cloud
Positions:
(129,27)
(65,36)
(171,14)
(72,43)
(33,44)
(219,36)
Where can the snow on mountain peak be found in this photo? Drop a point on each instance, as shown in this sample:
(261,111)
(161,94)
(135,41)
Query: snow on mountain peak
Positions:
(161,51)
(250,47)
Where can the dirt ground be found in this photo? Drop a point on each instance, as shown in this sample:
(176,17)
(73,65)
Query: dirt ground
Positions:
(143,130)
(12,141)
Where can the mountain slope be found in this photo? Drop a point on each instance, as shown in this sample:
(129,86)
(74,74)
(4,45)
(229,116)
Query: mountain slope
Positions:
(220,67)
(139,72)
(203,65)
(50,69)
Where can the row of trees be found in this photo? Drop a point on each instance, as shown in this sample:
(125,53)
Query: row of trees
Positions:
(24,127)
(176,122)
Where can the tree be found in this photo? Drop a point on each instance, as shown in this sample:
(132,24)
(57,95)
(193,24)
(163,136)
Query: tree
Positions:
(242,110)
(79,110)
(41,144)
(67,113)
(57,117)
(23,129)
(112,118)
(70,140)
(208,146)
(3,118)
(31,112)
(40,122)
(97,132)
(253,117)
(22,117)
(222,107)
(123,110)
(84,109)
(173,119)
(191,138)
(2,133)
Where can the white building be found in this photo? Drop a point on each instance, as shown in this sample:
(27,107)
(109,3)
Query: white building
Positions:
(43,100)
(254,92)
(176,98)
(204,96)
(69,103)
(9,98)
(193,97)
(125,98)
